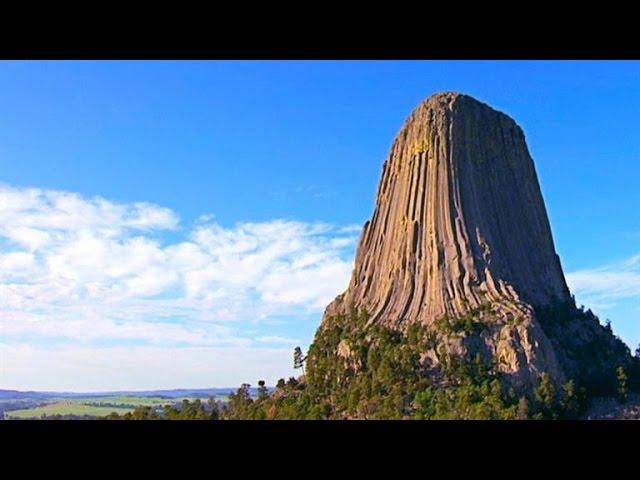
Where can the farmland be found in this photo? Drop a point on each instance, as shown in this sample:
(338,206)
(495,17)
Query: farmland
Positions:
(94,407)
(66,407)
(23,405)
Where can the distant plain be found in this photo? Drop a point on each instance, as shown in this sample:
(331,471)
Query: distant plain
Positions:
(36,405)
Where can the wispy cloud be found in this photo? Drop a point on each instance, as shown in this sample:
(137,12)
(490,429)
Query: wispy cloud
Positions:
(88,271)
(604,286)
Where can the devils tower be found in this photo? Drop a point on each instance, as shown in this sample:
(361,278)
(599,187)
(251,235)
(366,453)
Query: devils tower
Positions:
(460,245)
(459,220)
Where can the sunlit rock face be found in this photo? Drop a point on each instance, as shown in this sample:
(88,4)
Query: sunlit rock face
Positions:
(459,220)
(460,224)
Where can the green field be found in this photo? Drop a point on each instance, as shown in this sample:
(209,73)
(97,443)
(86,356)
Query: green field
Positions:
(66,407)
(93,406)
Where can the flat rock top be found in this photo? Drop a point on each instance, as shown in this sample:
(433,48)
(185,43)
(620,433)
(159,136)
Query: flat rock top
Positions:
(450,98)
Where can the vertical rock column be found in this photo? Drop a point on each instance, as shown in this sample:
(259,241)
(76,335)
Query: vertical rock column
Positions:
(459,221)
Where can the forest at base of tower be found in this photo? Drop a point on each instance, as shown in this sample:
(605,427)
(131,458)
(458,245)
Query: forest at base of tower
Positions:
(470,313)
(355,371)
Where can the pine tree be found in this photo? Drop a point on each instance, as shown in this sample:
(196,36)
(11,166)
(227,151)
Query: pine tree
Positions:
(608,326)
(298,359)
(523,409)
(623,388)
(263,392)
(546,395)
(570,399)
(215,412)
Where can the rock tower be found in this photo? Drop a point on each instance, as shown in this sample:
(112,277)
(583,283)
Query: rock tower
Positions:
(460,226)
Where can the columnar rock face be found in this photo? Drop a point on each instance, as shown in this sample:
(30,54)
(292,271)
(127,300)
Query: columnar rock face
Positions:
(459,228)
(460,244)
(459,220)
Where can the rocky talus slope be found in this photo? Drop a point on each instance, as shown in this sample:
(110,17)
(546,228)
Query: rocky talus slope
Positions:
(460,229)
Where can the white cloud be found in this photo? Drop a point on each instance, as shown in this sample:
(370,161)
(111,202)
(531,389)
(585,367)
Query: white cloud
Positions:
(604,286)
(612,291)
(64,212)
(30,238)
(17,263)
(88,270)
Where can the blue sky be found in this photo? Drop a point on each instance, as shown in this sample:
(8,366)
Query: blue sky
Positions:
(182,224)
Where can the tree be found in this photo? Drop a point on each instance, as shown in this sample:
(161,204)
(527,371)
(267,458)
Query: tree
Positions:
(292,383)
(623,388)
(281,384)
(545,394)
(215,412)
(298,359)
(608,326)
(240,402)
(263,392)
(571,401)
(638,352)
(523,409)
